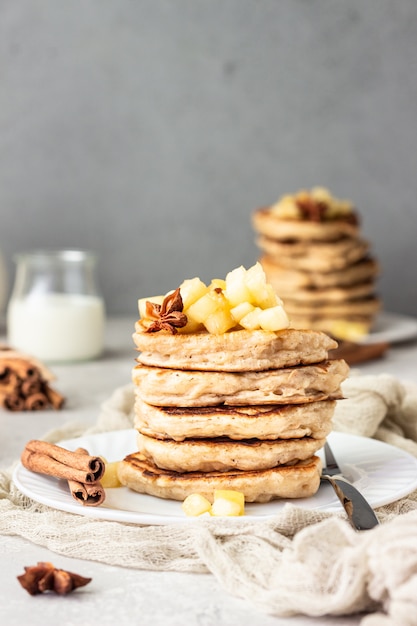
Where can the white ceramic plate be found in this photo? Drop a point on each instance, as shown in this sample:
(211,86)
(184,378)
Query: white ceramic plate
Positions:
(392,328)
(382,473)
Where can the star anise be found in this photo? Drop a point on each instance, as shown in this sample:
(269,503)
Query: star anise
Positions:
(45,577)
(311,209)
(168,315)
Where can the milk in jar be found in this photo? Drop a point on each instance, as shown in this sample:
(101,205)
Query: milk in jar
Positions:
(56,312)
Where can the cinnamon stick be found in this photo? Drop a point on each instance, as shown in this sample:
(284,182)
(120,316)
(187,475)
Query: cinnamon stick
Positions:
(47,458)
(8,382)
(14,402)
(24,383)
(36,402)
(10,356)
(88,494)
(24,369)
(31,386)
(54,397)
(5,372)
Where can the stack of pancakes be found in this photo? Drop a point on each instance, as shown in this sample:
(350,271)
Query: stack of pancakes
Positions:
(244,410)
(314,257)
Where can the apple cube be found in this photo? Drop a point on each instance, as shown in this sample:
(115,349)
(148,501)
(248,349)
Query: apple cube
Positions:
(191,327)
(262,293)
(236,288)
(110,478)
(218,283)
(240,310)
(230,495)
(225,508)
(267,297)
(287,209)
(251,320)
(228,503)
(195,504)
(274,318)
(191,290)
(219,322)
(200,310)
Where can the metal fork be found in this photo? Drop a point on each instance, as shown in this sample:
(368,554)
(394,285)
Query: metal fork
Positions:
(359,511)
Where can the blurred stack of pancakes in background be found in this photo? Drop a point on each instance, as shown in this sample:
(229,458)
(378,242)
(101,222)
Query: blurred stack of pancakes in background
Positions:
(314,256)
(243,410)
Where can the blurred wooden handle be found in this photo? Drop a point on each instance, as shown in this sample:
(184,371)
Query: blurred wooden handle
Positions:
(358,353)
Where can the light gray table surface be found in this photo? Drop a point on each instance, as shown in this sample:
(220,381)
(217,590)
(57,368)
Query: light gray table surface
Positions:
(122,596)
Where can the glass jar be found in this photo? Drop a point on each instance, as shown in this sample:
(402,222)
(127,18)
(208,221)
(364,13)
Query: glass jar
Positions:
(56,312)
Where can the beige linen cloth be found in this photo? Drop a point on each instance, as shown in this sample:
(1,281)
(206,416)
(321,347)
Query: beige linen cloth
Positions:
(300,561)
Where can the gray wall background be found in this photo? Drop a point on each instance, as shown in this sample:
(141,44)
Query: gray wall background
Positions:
(149,130)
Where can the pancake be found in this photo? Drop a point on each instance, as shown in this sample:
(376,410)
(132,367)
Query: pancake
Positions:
(313,255)
(313,419)
(319,296)
(235,351)
(282,278)
(300,480)
(292,385)
(267,223)
(223,454)
(361,307)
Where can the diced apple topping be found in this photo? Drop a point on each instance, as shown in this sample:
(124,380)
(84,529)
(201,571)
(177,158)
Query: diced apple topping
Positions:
(231,497)
(237,290)
(251,320)
(243,299)
(191,290)
(240,310)
(219,322)
(226,502)
(223,507)
(218,283)
(110,477)
(200,310)
(262,293)
(191,327)
(195,505)
(298,205)
(275,317)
